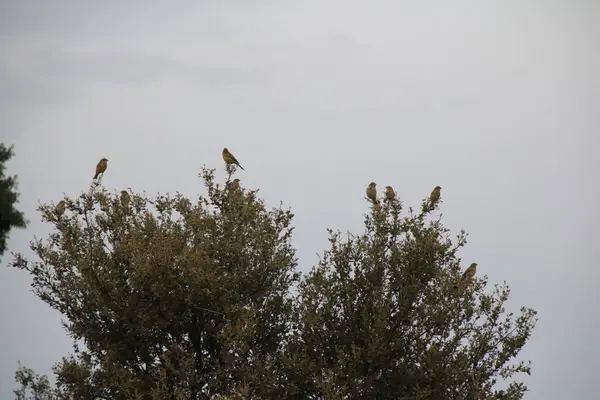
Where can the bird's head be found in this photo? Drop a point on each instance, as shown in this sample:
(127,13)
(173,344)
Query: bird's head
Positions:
(225,151)
(474,265)
(372,184)
(104,160)
(236,181)
(389,188)
(437,188)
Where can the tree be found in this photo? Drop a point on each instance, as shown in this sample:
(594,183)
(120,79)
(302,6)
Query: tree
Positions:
(385,315)
(9,216)
(173,299)
(32,385)
(177,299)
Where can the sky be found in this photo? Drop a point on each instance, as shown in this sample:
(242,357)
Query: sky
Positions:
(498,102)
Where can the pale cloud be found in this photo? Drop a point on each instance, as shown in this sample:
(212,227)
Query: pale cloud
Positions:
(497,102)
(82,67)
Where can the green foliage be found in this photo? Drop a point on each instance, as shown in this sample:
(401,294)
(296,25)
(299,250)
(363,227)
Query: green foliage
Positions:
(9,216)
(32,385)
(171,298)
(177,299)
(382,316)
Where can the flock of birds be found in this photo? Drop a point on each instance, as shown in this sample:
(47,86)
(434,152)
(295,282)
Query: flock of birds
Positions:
(390,194)
(230,159)
(434,197)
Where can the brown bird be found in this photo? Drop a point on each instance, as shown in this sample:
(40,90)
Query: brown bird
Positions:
(60,208)
(372,192)
(469,272)
(389,193)
(234,184)
(125,198)
(434,197)
(230,159)
(101,167)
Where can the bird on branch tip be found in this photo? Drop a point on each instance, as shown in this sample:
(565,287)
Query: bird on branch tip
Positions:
(60,208)
(435,195)
(101,167)
(389,193)
(234,184)
(469,272)
(372,192)
(230,159)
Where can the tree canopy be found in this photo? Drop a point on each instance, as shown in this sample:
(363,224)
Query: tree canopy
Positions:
(202,299)
(10,217)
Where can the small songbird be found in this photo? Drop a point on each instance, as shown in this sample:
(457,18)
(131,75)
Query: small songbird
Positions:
(389,193)
(469,272)
(60,208)
(101,167)
(435,195)
(234,184)
(372,192)
(125,198)
(230,159)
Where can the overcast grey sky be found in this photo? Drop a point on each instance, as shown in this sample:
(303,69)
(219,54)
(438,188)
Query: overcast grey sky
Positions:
(498,102)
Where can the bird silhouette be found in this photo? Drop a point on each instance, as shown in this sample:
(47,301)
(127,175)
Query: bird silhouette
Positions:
(372,192)
(230,159)
(389,193)
(434,197)
(101,167)
(469,272)
(234,184)
(60,208)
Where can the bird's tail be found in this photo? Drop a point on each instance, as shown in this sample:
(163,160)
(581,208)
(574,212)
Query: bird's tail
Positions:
(242,168)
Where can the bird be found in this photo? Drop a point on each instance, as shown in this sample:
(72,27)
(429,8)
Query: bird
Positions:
(125,198)
(372,192)
(230,159)
(101,167)
(60,208)
(234,184)
(434,197)
(469,272)
(389,193)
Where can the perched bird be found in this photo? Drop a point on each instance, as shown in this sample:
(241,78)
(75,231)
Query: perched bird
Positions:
(125,198)
(60,208)
(101,167)
(372,192)
(389,193)
(230,159)
(435,195)
(469,272)
(234,184)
